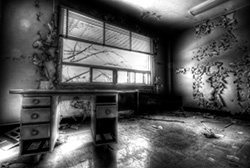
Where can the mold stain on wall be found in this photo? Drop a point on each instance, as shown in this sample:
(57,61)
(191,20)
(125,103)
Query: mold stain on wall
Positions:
(215,65)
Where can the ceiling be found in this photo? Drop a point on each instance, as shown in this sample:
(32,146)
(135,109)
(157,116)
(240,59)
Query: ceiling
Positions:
(172,14)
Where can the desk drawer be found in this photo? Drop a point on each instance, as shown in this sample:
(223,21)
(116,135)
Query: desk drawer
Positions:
(36,101)
(35,131)
(35,115)
(106,111)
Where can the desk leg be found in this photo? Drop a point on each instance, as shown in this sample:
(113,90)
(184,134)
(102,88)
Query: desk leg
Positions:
(136,102)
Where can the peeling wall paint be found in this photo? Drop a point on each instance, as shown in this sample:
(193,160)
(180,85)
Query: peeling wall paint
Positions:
(215,65)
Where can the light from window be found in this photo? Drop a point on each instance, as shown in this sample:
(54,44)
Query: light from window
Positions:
(101,75)
(117,37)
(122,77)
(75,74)
(91,54)
(96,52)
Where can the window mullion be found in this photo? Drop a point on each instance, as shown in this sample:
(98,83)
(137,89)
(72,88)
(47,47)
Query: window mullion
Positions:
(115,76)
(128,77)
(130,40)
(67,22)
(104,31)
(91,75)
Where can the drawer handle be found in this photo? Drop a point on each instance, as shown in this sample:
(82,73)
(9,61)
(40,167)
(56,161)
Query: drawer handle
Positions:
(34,132)
(34,116)
(108,111)
(36,101)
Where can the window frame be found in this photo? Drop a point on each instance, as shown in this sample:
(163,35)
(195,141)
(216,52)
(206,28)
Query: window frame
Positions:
(115,70)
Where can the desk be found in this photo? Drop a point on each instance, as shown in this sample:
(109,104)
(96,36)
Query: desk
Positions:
(40,117)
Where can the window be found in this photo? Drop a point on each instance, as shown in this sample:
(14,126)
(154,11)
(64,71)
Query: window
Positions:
(96,52)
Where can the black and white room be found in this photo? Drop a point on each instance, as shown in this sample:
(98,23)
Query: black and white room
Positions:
(125,84)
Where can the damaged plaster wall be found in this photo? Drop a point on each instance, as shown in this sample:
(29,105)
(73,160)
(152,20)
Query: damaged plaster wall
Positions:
(211,64)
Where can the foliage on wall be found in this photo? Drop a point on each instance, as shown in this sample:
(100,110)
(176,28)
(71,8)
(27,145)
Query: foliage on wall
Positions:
(215,75)
(46,57)
(150,15)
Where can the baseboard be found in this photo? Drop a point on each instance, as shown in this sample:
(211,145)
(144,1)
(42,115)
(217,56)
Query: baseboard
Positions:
(216,112)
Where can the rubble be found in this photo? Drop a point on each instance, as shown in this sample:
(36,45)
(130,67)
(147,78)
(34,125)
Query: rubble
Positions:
(64,126)
(5,165)
(61,140)
(233,158)
(211,159)
(232,122)
(209,133)
(75,126)
(157,127)
(158,119)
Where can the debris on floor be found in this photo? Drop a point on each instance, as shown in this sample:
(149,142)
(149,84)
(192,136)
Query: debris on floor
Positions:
(210,135)
(61,140)
(67,125)
(160,119)
(160,127)
(5,165)
(211,159)
(233,158)
(7,144)
(150,141)
(157,127)
(125,114)
(75,126)
(232,122)
(207,115)
(64,126)
(14,133)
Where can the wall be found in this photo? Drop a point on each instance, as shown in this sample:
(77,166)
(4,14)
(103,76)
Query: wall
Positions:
(29,47)
(19,31)
(211,64)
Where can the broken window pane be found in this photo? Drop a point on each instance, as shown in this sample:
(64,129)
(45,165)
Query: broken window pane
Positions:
(90,54)
(101,75)
(122,77)
(115,36)
(83,61)
(140,43)
(84,27)
(71,74)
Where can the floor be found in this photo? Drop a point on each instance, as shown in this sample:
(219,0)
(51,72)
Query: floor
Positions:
(188,140)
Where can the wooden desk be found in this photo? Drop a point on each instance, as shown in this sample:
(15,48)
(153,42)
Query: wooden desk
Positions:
(40,117)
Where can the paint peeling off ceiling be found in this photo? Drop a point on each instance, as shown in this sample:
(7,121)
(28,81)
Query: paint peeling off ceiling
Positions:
(172,14)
